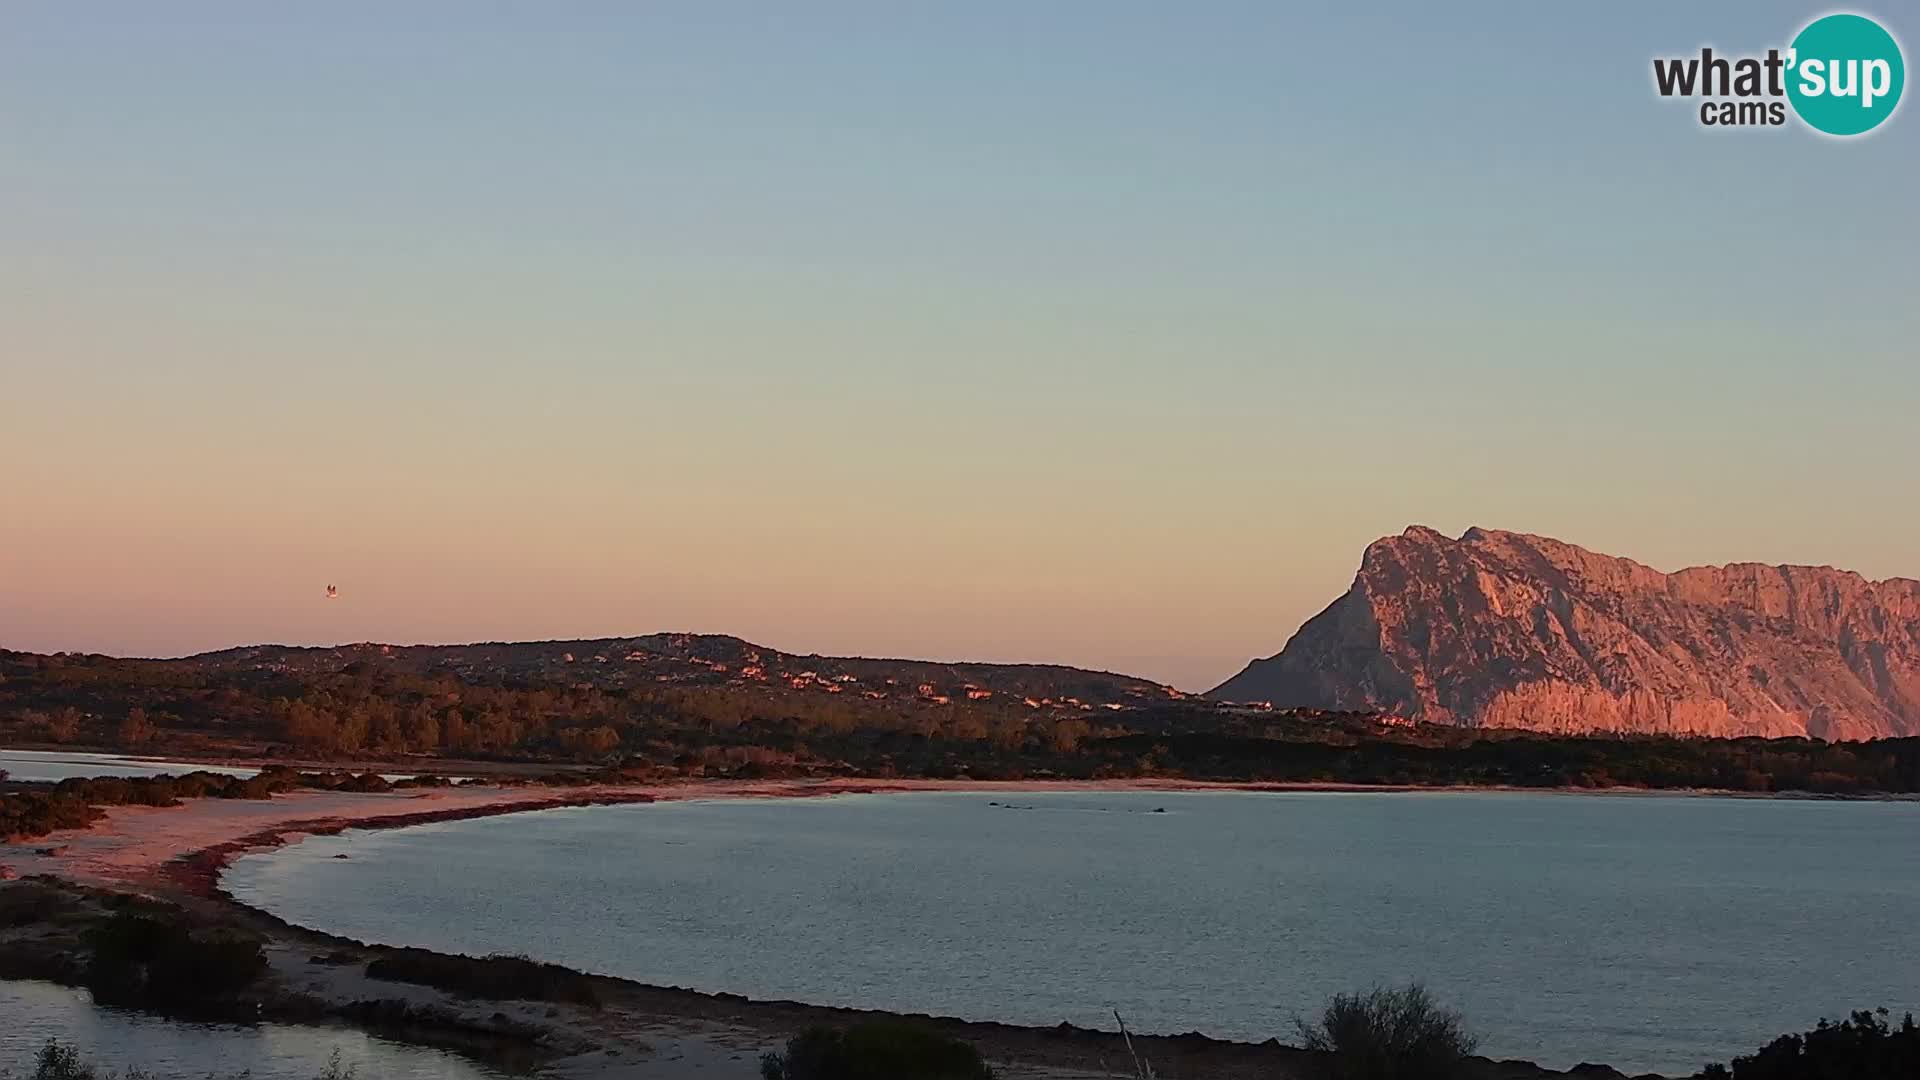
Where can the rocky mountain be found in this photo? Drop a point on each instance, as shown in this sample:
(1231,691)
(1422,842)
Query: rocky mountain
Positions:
(1501,629)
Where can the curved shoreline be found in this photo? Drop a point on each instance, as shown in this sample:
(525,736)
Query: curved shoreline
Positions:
(190,873)
(1062,1047)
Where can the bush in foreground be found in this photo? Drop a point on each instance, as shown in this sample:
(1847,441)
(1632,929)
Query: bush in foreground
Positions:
(1863,1047)
(140,959)
(58,1061)
(883,1050)
(1389,1034)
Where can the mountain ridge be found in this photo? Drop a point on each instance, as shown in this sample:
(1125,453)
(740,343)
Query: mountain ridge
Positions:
(1508,629)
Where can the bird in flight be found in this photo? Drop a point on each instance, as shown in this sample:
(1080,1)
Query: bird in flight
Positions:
(333,592)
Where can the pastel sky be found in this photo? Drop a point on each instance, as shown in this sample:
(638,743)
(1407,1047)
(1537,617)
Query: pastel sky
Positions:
(1106,333)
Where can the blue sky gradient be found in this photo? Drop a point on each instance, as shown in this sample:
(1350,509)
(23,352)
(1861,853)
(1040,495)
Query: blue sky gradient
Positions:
(1105,333)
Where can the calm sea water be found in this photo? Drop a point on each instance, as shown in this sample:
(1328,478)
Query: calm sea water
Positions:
(1651,933)
(115,1041)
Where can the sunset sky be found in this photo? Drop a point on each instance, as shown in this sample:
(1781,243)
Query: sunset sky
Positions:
(1090,332)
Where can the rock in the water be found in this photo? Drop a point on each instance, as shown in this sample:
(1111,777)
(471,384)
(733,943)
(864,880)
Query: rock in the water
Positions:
(1500,629)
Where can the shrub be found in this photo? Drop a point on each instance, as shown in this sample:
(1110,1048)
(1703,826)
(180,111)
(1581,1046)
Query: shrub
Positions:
(138,959)
(365,782)
(30,814)
(257,787)
(58,1061)
(1862,1047)
(496,977)
(1389,1034)
(883,1050)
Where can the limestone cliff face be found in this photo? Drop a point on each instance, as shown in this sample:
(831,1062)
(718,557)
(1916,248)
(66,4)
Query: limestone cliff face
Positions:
(1500,629)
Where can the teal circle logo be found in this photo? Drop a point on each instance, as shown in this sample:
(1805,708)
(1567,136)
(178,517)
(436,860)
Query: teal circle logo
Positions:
(1845,74)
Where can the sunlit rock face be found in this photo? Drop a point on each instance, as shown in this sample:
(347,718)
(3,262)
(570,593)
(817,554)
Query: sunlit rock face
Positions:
(1501,629)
